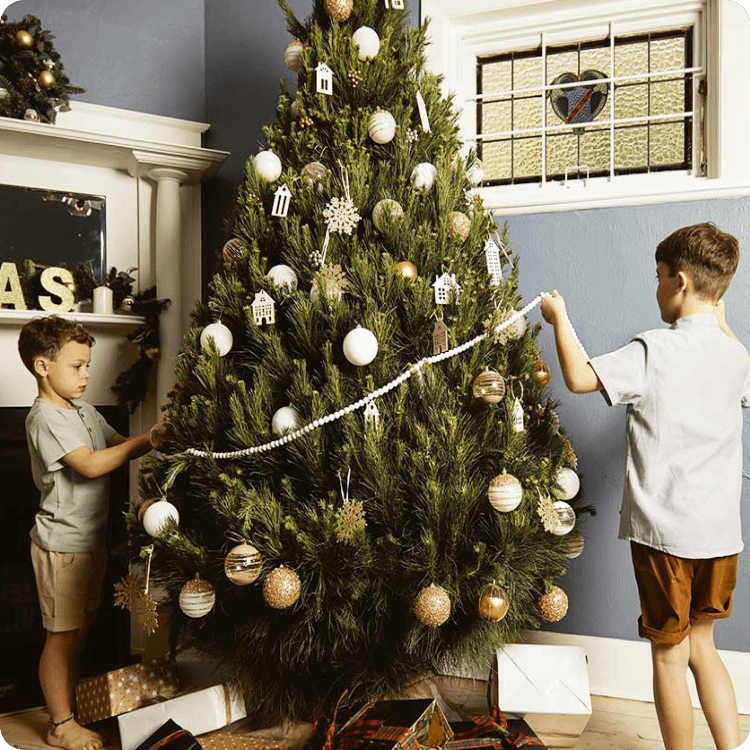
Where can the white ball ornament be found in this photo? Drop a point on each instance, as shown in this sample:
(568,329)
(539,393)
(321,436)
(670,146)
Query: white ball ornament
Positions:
(367,42)
(158,515)
(423,176)
(360,346)
(475,173)
(566,518)
(569,484)
(220,335)
(268,166)
(505,493)
(197,597)
(285,419)
(382,126)
(282,275)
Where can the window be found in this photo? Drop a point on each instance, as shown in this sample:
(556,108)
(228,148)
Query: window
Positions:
(582,103)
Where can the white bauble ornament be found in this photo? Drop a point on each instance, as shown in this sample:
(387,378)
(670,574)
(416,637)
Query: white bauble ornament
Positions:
(3,92)
(293,55)
(569,484)
(382,126)
(566,518)
(475,173)
(282,275)
(367,42)
(31,115)
(268,166)
(423,176)
(158,515)
(197,597)
(220,335)
(505,493)
(360,346)
(242,565)
(286,419)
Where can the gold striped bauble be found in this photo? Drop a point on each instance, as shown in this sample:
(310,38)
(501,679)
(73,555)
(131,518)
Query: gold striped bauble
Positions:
(505,493)
(489,386)
(197,597)
(574,545)
(242,564)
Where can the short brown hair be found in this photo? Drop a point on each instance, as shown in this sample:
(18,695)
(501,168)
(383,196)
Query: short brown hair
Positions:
(46,335)
(707,254)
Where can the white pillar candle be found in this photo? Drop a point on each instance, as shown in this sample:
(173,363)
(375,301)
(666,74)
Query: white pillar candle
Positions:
(103,300)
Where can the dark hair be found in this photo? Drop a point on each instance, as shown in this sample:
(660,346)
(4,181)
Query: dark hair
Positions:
(46,335)
(707,254)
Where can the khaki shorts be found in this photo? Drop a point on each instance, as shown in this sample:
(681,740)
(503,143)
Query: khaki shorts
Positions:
(674,590)
(69,585)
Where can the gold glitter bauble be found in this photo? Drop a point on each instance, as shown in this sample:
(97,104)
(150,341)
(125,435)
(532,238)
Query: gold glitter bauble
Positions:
(281,588)
(553,606)
(540,374)
(493,603)
(574,544)
(24,39)
(407,270)
(233,250)
(197,597)
(489,386)
(432,606)
(242,564)
(505,492)
(459,226)
(46,79)
(338,9)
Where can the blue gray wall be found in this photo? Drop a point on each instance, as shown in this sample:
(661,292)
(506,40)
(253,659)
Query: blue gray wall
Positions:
(220,61)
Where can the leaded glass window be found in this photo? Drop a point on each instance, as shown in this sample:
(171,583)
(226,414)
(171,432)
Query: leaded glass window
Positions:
(614,106)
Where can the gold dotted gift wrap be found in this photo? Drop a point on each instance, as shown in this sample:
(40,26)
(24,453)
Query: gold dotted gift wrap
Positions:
(124,690)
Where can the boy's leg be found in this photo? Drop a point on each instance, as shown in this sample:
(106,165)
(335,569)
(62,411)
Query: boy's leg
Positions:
(671,696)
(715,690)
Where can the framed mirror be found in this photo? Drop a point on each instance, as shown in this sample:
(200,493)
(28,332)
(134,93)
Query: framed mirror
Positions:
(53,228)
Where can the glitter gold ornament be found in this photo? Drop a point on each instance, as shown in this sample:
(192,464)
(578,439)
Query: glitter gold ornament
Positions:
(493,603)
(540,374)
(432,606)
(459,226)
(407,270)
(242,564)
(489,386)
(233,250)
(340,10)
(197,597)
(505,492)
(24,39)
(46,80)
(574,544)
(553,606)
(281,588)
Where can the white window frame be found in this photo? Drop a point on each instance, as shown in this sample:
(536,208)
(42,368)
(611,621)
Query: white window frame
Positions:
(461,31)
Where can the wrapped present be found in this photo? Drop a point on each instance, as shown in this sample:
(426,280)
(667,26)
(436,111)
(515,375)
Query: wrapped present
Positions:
(232,741)
(395,725)
(125,689)
(492,732)
(170,736)
(199,711)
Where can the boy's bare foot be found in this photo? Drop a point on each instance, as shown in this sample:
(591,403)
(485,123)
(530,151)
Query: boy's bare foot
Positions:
(70,735)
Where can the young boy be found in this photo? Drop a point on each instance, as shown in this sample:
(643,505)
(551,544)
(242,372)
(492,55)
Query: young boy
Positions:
(72,450)
(684,387)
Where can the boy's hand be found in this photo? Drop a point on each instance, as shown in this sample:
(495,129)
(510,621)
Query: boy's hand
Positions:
(553,308)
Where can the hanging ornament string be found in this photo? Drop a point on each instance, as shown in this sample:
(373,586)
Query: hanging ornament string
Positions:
(365,400)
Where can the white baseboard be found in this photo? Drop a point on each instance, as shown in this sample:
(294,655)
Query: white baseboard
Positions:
(622,669)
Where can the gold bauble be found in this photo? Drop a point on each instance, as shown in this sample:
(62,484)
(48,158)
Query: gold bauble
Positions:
(553,607)
(459,226)
(24,39)
(197,597)
(340,10)
(281,588)
(153,353)
(493,603)
(574,544)
(293,55)
(242,564)
(233,250)
(46,79)
(505,492)
(540,374)
(159,436)
(432,606)
(407,270)
(489,386)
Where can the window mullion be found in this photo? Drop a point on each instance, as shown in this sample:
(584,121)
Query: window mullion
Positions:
(612,101)
(544,108)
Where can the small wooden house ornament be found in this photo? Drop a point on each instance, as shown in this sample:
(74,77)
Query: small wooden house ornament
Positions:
(264,308)
(494,268)
(324,79)
(394,4)
(372,415)
(281,201)
(443,286)
(440,337)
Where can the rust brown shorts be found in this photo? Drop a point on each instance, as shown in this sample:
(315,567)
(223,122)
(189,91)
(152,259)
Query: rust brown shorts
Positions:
(673,590)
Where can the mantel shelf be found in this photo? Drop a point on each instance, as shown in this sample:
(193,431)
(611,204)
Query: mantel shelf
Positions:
(113,320)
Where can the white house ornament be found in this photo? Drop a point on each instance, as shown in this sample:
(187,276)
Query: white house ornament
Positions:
(360,346)
(423,176)
(242,565)
(505,493)
(372,415)
(197,597)
(263,308)
(323,79)
(268,165)
(281,199)
(568,484)
(286,419)
(394,4)
(159,516)
(283,276)
(293,55)
(221,337)
(381,127)
(494,266)
(446,289)
(517,416)
(367,42)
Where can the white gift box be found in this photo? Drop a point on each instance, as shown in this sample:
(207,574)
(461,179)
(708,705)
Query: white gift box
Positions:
(199,712)
(547,686)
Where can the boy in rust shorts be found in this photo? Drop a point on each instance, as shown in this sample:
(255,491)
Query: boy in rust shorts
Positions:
(684,387)
(72,450)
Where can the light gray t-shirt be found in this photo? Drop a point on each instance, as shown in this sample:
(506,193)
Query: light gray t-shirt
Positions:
(684,387)
(72,514)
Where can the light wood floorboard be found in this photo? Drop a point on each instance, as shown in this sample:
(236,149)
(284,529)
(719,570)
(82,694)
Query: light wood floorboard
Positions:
(615,724)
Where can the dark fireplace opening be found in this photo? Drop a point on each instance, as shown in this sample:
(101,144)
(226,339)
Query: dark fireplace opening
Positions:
(21,633)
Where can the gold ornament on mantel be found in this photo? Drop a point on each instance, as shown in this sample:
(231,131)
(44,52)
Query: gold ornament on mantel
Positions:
(24,39)
(493,603)
(432,607)
(281,588)
(340,10)
(46,80)
(553,606)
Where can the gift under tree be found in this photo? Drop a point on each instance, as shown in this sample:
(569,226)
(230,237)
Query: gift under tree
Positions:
(361,476)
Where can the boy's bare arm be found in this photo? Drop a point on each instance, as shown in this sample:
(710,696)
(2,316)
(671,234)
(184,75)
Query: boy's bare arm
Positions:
(578,374)
(92,464)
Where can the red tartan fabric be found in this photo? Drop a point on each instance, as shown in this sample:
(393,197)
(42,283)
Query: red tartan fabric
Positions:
(490,731)
(374,729)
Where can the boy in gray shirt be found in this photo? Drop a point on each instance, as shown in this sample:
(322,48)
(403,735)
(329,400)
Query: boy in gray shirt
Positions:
(72,450)
(684,388)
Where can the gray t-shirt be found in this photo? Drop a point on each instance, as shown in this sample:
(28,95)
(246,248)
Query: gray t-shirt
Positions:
(72,514)
(684,387)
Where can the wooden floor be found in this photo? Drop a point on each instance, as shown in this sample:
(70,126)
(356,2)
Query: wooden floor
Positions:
(615,725)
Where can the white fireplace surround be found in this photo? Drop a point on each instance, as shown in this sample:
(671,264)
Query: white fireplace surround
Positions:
(149,169)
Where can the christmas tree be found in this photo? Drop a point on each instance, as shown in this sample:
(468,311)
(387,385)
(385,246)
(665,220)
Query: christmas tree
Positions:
(360,469)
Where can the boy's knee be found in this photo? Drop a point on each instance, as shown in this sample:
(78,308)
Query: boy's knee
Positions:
(671,655)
